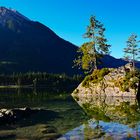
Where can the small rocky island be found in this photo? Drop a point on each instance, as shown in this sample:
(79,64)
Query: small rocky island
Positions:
(120,82)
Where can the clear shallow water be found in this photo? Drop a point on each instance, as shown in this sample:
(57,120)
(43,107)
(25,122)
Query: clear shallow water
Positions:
(105,131)
(110,118)
(65,114)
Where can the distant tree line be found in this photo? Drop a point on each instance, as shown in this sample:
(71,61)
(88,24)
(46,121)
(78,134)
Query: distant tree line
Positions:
(40,80)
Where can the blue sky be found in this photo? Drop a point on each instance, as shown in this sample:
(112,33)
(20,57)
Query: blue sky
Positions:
(69,18)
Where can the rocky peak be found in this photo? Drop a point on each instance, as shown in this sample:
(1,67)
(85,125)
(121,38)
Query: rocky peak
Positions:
(8,15)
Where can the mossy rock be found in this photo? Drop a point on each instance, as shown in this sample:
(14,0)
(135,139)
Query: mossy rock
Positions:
(95,77)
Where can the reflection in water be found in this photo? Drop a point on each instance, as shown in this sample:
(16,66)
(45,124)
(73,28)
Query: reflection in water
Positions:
(110,118)
(64,115)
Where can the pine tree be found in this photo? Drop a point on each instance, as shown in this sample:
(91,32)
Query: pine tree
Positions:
(91,52)
(132,50)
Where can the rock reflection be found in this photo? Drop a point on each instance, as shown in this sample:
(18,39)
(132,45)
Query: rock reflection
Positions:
(110,118)
(116,109)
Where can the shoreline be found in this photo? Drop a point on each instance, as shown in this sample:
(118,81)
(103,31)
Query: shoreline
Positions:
(16,86)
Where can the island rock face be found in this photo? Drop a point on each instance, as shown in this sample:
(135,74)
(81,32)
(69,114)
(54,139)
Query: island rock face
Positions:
(108,82)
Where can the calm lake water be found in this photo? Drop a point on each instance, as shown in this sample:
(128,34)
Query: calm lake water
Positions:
(98,118)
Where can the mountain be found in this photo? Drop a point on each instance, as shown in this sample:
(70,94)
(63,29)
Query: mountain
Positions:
(111,62)
(27,45)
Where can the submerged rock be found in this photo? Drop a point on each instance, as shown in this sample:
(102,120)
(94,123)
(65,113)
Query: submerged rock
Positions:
(8,116)
(108,82)
(11,115)
(34,132)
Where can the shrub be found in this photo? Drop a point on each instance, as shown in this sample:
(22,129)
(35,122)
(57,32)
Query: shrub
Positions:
(86,81)
(76,98)
(95,77)
(76,91)
(133,83)
(129,81)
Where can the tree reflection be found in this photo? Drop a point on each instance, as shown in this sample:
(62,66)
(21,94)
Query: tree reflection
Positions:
(122,110)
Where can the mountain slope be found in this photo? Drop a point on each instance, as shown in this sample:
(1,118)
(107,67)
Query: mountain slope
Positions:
(26,45)
(111,62)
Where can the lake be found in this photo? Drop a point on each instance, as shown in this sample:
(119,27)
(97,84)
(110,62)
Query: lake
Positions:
(62,118)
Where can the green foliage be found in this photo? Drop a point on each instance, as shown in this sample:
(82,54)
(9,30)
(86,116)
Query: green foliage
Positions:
(133,83)
(76,91)
(130,80)
(95,112)
(53,82)
(132,51)
(118,110)
(76,98)
(91,52)
(131,111)
(86,81)
(95,77)
(122,83)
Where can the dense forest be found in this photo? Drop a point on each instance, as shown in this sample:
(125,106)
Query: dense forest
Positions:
(40,80)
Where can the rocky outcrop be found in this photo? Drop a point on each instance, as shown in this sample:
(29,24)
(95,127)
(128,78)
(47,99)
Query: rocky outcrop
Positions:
(117,82)
(9,116)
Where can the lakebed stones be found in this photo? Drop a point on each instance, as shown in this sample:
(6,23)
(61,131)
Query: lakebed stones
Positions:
(12,116)
(33,132)
(50,133)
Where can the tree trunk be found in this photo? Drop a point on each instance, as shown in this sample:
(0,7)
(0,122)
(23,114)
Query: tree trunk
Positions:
(138,94)
(133,65)
(95,58)
(94,53)
(133,62)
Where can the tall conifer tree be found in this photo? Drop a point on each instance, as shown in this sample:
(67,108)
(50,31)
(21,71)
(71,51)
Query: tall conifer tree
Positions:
(132,51)
(91,52)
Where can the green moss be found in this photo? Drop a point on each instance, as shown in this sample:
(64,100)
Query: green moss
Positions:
(86,81)
(95,77)
(133,83)
(76,98)
(76,91)
(129,81)
(95,112)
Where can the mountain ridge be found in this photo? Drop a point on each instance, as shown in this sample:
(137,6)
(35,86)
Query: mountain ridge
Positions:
(33,46)
(27,45)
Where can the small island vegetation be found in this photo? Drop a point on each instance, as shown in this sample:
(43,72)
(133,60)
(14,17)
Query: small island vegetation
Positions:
(91,54)
(95,77)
